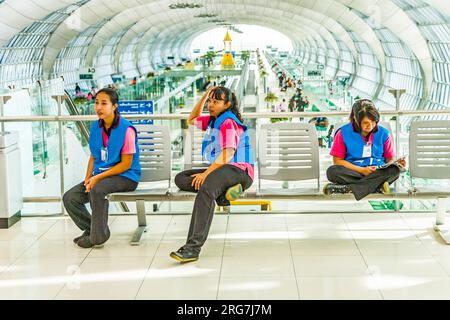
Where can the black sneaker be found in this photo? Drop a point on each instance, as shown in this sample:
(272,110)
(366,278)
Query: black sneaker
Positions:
(222,201)
(85,233)
(85,242)
(184,255)
(331,188)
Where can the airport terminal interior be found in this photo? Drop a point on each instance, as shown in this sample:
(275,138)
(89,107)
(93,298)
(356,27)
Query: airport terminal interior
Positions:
(297,69)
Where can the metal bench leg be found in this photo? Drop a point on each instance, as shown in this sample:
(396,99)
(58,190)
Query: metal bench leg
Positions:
(142,221)
(440,226)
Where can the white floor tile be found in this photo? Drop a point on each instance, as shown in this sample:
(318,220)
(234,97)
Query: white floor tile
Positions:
(35,292)
(354,288)
(404,266)
(106,278)
(266,234)
(257,248)
(419,221)
(414,288)
(382,221)
(107,290)
(257,222)
(401,234)
(444,261)
(198,288)
(166,267)
(392,248)
(11,250)
(257,266)
(330,266)
(437,247)
(5,263)
(123,249)
(35,280)
(258,288)
(47,249)
(310,221)
(311,247)
(27,228)
(320,234)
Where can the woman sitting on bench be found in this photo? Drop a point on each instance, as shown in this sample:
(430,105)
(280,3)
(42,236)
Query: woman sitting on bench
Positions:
(359,149)
(227,148)
(113,167)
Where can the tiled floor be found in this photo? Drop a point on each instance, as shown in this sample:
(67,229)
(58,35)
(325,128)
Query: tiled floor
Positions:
(253,256)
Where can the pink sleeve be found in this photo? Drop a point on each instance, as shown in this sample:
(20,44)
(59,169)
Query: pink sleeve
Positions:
(229,134)
(202,122)
(338,148)
(129,146)
(389,151)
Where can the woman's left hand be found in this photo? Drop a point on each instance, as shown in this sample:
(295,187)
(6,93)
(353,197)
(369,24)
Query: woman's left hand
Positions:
(402,162)
(199,179)
(91,183)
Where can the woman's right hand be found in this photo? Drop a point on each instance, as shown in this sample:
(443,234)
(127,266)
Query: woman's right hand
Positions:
(86,180)
(367,170)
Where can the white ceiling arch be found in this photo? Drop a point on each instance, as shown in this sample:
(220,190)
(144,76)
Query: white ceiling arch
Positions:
(118,22)
(89,16)
(144,24)
(15,15)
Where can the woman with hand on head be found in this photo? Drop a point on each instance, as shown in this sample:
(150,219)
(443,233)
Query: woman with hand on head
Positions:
(359,149)
(227,148)
(113,167)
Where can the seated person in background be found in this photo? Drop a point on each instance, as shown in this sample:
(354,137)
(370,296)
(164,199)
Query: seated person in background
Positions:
(321,124)
(359,148)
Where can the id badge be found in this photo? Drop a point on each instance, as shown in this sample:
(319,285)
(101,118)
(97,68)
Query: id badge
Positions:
(104,154)
(367,152)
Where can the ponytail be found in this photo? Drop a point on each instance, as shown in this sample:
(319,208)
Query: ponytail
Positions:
(235,107)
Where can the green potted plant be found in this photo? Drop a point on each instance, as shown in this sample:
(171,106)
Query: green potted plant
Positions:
(270,98)
(245,55)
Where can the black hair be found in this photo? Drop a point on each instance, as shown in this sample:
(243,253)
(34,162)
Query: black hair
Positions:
(225,94)
(113,96)
(363,108)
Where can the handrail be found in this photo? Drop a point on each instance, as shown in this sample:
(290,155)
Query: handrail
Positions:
(189,81)
(74,111)
(248,115)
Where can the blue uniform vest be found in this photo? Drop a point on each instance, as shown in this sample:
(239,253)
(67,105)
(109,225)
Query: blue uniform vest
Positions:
(354,143)
(114,148)
(211,147)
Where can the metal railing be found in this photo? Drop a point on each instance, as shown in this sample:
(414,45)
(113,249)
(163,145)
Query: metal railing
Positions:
(257,115)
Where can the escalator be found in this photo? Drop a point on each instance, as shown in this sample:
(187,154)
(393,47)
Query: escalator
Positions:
(84,130)
(73,111)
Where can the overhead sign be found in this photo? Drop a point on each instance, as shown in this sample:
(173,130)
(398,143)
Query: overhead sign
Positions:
(137,107)
(314,70)
(86,73)
(86,76)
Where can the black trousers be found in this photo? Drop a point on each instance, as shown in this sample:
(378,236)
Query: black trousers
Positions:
(96,224)
(361,185)
(213,188)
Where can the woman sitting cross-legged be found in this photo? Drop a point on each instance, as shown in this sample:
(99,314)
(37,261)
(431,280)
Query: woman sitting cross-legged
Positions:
(227,148)
(359,149)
